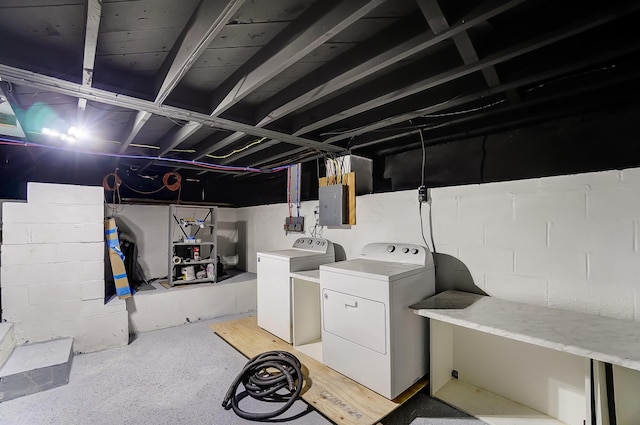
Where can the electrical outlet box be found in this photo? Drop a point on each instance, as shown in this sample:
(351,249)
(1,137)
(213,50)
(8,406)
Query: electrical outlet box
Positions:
(422,194)
(294,224)
(333,205)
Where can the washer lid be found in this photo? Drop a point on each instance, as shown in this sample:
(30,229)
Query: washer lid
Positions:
(374,269)
(304,248)
(292,254)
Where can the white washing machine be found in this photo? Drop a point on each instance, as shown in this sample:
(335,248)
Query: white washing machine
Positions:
(368,331)
(273,281)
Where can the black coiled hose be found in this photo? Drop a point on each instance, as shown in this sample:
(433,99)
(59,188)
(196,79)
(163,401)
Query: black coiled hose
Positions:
(266,386)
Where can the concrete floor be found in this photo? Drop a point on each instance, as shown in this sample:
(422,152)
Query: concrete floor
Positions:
(174,376)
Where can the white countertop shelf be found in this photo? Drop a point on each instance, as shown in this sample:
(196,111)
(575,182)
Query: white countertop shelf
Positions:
(308,275)
(489,407)
(600,338)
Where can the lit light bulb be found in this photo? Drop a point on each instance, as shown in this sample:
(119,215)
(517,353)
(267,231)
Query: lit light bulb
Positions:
(78,133)
(50,132)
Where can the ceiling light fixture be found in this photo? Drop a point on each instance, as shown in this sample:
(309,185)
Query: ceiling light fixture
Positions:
(50,132)
(67,138)
(78,133)
(71,136)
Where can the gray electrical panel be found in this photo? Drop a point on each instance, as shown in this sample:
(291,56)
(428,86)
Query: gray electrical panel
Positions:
(333,205)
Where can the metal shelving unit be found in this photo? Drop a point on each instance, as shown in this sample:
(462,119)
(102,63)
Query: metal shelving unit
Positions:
(192,244)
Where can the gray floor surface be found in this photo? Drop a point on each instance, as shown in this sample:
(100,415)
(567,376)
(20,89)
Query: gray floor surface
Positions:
(175,376)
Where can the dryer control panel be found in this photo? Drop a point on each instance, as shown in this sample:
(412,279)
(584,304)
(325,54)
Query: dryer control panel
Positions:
(397,252)
(314,244)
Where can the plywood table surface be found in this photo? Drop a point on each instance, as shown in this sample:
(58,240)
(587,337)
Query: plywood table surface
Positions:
(339,398)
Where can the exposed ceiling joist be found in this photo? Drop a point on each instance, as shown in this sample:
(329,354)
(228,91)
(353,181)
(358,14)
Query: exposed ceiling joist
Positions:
(205,24)
(475,133)
(439,23)
(369,66)
(332,115)
(183,133)
(174,138)
(389,57)
(505,87)
(264,145)
(311,32)
(495,127)
(469,55)
(133,128)
(234,137)
(94,12)
(529,103)
(363,83)
(43,82)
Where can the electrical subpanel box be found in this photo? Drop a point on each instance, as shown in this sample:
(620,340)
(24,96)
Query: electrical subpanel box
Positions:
(333,205)
(362,167)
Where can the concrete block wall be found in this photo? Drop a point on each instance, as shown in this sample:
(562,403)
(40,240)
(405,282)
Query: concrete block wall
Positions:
(569,242)
(151,310)
(52,269)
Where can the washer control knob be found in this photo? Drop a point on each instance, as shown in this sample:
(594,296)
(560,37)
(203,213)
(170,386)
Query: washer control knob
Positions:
(405,250)
(414,251)
(391,248)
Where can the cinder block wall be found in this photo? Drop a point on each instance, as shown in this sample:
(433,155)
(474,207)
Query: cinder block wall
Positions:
(569,242)
(52,269)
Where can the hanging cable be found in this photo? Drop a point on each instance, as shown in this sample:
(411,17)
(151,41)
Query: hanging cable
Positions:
(433,243)
(262,383)
(298,188)
(235,151)
(289,190)
(116,182)
(424,158)
(115,189)
(165,181)
(424,197)
(141,192)
(466,111)
(422,226)
(173,186)
(205,165)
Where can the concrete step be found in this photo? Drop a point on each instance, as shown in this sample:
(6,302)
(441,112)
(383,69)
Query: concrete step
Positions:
(7,341)
(32,368)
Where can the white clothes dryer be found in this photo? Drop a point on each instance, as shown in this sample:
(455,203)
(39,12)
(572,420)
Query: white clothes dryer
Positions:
(273,281)
(368,331)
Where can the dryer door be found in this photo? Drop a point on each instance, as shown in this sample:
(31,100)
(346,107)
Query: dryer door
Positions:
(359,320)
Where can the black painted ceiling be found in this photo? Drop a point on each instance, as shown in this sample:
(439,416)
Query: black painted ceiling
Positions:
(225,92)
